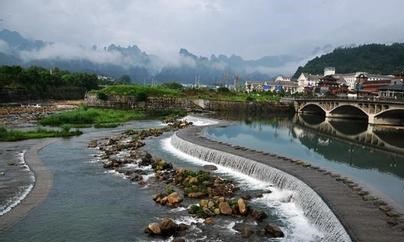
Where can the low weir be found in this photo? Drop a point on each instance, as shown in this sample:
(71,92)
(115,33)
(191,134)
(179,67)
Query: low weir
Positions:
(339,211)
(314,207)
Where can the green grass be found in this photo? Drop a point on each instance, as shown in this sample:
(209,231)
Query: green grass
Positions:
(140,91)
(89,116)
(15,135)
(103,118)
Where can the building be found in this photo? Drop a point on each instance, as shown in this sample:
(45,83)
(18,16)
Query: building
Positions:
(307,82)
(273,86)
(330,85)
(395,91)
(254,86)
(283,86)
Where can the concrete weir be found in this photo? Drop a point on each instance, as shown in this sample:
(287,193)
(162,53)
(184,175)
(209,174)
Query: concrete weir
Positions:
(336,205)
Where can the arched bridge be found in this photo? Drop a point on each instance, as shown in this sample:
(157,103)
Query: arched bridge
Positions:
(376,111)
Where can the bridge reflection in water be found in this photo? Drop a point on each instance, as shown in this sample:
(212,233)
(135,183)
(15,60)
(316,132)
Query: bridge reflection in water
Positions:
(365,146)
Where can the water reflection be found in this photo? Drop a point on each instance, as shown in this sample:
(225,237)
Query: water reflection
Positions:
(370,155)
(384,138)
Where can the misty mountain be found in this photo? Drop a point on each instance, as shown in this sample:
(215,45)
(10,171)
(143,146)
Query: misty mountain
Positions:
(115,61)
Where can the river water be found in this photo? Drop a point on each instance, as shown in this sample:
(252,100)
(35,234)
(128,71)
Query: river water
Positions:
(370,155)
(86,203)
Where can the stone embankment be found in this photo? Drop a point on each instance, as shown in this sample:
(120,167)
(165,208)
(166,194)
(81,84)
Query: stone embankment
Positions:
(365,218)
(192,104)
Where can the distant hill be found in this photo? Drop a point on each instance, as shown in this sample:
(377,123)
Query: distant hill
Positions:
(117,61)
(372,58)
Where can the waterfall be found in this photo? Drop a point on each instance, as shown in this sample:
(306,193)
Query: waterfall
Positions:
(313,206)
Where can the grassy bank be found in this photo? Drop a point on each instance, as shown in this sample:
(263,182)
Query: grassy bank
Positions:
(15,135)
(142,92)
(102,118)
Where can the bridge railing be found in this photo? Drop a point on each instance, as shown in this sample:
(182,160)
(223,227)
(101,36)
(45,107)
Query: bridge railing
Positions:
(355,99)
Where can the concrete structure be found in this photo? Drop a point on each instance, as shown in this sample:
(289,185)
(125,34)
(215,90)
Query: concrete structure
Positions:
(362,215)
(376,111)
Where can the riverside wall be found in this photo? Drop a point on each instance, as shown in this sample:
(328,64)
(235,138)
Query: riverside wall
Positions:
(191,104)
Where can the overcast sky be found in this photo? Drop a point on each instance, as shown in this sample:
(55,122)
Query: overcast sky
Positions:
(250,28)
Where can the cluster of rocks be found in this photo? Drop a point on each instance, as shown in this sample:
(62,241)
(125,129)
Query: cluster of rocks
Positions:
(211,195)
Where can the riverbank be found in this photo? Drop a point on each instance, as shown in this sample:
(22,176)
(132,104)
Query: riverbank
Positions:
(42,185)
(364,217)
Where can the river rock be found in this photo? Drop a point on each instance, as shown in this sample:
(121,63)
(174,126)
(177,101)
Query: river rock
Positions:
(210,167)
(273,231)
(225,208)
(209,221)
(92,144)
(168,226)
(179,240)
(242,207)
(258,215)
(135,177)
(153,228)
(174,198)
(196,194)
(245,230)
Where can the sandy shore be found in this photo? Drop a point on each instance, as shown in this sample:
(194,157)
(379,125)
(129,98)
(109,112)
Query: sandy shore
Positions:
(42,186)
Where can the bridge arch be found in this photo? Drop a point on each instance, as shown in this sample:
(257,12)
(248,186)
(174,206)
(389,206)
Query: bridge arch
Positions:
(348,111)
(393,116)
(313,108)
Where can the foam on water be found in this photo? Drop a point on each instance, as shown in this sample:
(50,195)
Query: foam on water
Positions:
(199,121)
(24,191)
(305,214)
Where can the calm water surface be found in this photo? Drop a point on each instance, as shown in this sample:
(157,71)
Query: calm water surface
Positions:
(369,155)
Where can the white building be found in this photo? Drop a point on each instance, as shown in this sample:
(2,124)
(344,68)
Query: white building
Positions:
(306,80)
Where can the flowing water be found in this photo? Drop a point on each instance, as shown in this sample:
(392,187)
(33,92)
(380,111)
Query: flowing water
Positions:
(301,194)
(369,155)
(86,203)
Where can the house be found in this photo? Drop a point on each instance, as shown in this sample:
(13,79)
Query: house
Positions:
(307,81)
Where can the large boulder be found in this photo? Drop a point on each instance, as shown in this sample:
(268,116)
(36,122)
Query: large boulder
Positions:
(225,208)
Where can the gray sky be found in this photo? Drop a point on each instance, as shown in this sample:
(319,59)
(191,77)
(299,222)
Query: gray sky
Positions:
(250,28)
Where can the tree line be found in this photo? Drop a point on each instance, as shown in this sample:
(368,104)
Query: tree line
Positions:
(371,58)
(18,83)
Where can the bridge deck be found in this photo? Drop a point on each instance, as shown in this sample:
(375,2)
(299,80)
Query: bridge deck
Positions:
(364,219)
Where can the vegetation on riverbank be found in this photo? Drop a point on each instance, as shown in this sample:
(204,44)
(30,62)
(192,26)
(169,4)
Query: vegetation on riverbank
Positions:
(18,83)
(141,93)
(16,135)
(103,118)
